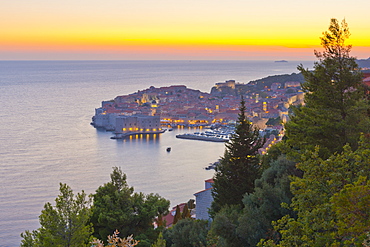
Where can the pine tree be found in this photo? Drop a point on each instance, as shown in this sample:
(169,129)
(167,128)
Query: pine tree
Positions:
(331,200)
(239,166)
(335,111)
(160,241)
(118,207)
(65,224)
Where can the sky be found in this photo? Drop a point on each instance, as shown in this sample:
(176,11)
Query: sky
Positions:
(176,29)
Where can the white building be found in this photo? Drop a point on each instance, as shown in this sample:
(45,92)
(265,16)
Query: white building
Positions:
(203,201)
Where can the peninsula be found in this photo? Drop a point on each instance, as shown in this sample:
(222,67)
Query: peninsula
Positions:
(153,109)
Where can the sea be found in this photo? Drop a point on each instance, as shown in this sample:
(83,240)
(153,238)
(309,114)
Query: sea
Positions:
(46,137)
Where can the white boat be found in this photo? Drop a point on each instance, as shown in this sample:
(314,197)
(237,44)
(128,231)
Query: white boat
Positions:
(201,137)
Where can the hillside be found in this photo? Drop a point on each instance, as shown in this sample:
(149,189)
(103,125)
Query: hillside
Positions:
(268,81)
(364,63)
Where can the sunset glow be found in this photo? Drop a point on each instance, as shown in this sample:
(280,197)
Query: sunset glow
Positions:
(164,29)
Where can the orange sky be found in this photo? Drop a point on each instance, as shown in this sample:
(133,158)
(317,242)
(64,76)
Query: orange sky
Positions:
(164,29)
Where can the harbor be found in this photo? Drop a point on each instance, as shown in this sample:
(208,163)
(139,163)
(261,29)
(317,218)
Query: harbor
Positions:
(219,135)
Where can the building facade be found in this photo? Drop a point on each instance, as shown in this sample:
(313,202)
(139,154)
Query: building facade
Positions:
(138,124)
(203,201)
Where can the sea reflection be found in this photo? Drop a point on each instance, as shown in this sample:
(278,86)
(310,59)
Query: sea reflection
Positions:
(140,138)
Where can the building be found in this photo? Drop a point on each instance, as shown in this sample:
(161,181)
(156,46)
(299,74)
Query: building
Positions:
(292,84)
(104,120)
(138,124)
(203,201)
(275,86)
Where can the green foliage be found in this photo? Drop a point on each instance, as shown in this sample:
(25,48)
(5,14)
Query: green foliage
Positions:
(187,233)
(116,206)
(351,206)
(325,202)
(331,199)
(239,166)
(274,152)
(265,204)
(160,241)
(112,206)
(30,239)
(335,111)
(224,226)
(246,227)
(65,224)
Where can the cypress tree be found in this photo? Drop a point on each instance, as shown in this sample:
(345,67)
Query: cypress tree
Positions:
(177,215)
(185,212)
(239,166)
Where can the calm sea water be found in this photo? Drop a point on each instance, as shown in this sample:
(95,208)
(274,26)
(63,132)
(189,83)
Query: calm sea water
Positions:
(46,137)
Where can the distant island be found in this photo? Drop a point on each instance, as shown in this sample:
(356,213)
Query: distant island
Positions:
(281,61)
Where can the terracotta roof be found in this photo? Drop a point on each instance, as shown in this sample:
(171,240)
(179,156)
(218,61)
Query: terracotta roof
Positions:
(367,79)
(171,215)
(202,191)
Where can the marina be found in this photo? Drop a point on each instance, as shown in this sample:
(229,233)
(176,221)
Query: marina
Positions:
(209,135)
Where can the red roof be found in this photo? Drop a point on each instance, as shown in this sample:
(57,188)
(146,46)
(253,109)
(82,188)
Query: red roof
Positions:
(366,81)
(171,215)
(202,191)
(207,181)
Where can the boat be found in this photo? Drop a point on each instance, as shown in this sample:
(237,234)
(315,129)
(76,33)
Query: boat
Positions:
(203,137)
(168,149)
(212,165)
(214,135)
